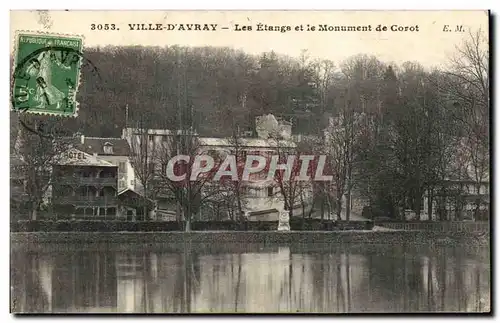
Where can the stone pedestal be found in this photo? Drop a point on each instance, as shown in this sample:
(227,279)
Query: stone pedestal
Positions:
(284,221)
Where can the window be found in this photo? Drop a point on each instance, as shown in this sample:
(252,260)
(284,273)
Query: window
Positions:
(108,148)
(270,191)
(150,138)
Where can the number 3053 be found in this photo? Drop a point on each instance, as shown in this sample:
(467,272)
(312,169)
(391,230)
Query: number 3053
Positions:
(103,27)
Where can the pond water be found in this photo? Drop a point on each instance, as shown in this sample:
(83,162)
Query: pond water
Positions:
(249,279)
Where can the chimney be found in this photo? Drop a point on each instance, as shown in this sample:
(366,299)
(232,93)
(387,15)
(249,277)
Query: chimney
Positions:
(82,139)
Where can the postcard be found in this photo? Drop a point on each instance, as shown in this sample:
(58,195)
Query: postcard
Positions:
(243,162)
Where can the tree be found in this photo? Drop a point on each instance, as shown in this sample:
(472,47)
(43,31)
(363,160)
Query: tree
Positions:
(359,112)
(197,187)
(235,186)
(292,190)
(341,144)
(39,150)
(468,86)
(324,77)
(143,154)
(379,175)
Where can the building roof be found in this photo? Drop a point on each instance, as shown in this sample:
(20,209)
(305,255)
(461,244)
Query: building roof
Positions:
(158,132)
(75,157)
(262,212)
(95,145)
(129,193)
(246,142)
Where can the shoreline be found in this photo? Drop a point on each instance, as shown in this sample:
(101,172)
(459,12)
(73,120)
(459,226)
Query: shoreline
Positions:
(267,237)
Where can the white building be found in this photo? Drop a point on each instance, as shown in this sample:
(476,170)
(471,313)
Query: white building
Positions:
(113,150)
(261,197)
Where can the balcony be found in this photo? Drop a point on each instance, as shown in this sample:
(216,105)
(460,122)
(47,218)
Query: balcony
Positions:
(88,181)
(86,201)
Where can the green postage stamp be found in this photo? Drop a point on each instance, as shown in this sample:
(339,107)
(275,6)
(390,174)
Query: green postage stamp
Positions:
(46,73)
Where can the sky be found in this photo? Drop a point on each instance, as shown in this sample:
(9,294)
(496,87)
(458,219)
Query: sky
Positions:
(430,45)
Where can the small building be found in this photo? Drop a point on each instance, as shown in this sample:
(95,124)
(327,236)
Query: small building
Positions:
(460,200)
(133,206)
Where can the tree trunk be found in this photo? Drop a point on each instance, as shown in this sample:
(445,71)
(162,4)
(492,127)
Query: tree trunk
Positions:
(187,217)
(291,203)
(477,203)
(303,205)
(188,223)
(145,207)
(311,211)
(418,200)
(339,209)
(178,212)
(430,198)
(238,201)
(348,205)
(402,208)
(322,209)
(330,211)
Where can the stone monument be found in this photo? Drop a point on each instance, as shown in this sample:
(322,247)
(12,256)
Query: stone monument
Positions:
(284,221)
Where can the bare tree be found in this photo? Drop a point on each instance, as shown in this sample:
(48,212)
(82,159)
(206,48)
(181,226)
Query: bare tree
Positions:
(324,78)
(468,86)
(291,190)
(143,154)
(39,152)
(341,144)
(236,186)
(196,189)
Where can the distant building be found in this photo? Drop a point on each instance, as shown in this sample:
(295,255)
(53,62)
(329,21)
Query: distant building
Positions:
(459,200)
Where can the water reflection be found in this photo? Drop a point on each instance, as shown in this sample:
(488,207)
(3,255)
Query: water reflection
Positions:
(253,279)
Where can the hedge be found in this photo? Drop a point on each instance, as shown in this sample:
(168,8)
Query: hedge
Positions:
(296,224)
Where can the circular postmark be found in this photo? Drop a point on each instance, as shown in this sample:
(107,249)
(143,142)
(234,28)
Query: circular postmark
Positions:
(46,78)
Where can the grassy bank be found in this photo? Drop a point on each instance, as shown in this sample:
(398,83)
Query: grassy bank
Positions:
(241,237)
